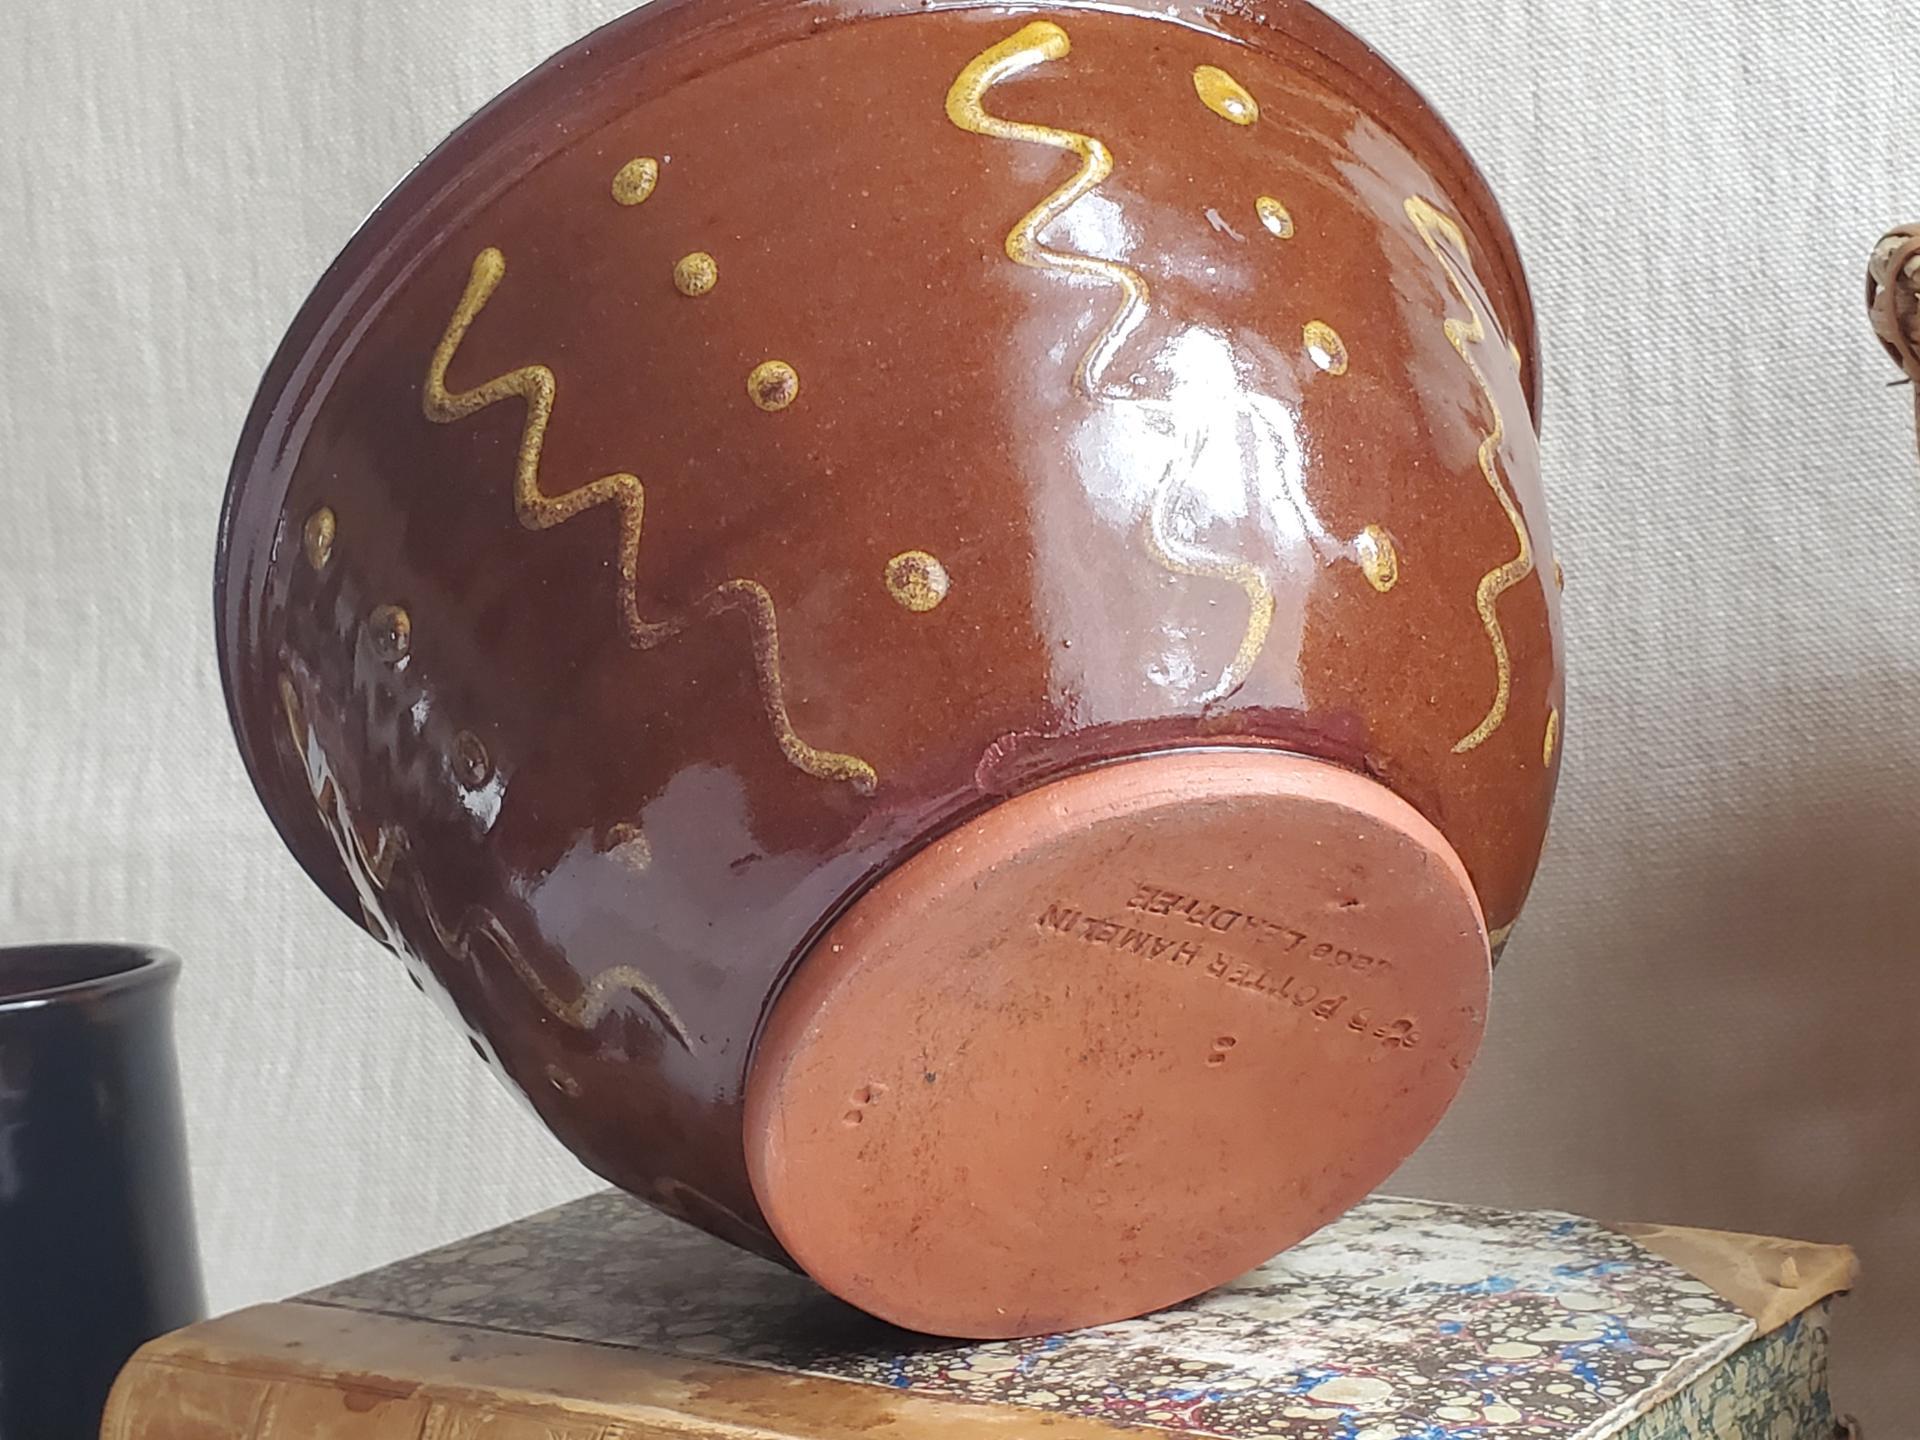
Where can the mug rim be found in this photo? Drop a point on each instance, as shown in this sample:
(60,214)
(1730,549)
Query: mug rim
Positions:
(150,966)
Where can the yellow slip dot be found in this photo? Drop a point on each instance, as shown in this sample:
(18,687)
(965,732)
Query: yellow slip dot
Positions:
(1325,347)
(636,180)
(1379,559)
(1274,216)
(696,274)
(773,385)
(917,581)
(1225,96)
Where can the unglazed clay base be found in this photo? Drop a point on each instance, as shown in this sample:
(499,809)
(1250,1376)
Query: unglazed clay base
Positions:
(1116,1042)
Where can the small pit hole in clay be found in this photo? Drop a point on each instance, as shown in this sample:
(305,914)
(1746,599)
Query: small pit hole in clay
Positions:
(317,536)
(472,765)
(391,630)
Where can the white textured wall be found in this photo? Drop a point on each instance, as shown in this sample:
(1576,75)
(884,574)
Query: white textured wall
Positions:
(1708,1016)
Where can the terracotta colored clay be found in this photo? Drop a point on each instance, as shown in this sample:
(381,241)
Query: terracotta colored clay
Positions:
(858,521)
(1018,1084)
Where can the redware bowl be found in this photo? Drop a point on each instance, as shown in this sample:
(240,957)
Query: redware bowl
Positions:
(934,622)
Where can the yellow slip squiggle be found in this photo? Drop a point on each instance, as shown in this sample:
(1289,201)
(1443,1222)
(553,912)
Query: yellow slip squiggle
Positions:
(1183,559)
(1435,227)
(538,510)
(1033,45)
(373,869)
(595,1002)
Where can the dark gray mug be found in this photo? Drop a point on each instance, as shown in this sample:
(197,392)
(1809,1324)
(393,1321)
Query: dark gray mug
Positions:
(97,1248)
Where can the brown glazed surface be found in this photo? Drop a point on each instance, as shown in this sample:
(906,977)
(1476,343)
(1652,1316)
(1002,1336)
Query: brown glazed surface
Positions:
(955,398)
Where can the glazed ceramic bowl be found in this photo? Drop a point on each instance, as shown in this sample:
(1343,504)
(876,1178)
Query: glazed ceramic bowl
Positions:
(933,621)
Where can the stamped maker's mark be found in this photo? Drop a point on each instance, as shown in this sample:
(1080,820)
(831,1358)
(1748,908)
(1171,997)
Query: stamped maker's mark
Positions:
(1262,931)
(1323,1002)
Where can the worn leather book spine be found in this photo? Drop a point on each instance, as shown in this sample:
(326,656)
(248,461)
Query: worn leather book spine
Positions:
(315,1373)
(301,1371)
(601,1320)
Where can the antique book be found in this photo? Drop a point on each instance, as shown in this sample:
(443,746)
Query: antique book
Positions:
(1406,1320)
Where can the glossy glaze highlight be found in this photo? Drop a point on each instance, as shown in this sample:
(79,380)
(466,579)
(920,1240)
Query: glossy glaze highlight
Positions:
(989,459)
